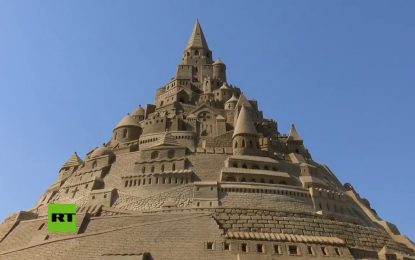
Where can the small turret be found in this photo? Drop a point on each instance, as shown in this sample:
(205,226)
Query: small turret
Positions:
(245,135)
(219,70)
(293,136)
(223,93)
(295,142)
(231,103)
(126,130)
(242,101)
(70,166)
(138,113)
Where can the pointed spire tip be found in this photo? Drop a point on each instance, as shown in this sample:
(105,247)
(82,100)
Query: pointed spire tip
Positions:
(197,38)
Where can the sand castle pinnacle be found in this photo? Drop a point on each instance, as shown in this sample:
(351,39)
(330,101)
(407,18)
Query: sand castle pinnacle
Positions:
(293,135)
(197,38)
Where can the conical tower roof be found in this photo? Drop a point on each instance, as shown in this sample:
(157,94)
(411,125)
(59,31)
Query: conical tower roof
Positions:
(232,99)
(74,160)
(294,134)
(244,123)
(197,38)
(243,101)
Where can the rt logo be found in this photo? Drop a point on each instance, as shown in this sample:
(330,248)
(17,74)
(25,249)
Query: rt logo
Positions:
(61,217)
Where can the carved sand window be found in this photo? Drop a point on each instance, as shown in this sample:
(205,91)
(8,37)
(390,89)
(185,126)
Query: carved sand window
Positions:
(310,250)
(226,246)
(154,155)
(293,250)
(244,247)
(277,249)
(260,248)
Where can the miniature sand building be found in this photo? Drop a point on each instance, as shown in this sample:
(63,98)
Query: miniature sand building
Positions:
(201,174)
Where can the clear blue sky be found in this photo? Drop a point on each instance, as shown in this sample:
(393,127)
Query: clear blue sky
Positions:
(343,71)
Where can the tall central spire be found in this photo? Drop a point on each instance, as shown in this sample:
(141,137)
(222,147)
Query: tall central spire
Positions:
(197,53)
(197,38)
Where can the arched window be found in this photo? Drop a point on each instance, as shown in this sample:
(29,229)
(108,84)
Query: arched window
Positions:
(244,166)
(124,133)
(143,170)
(154,155)
(94,164)
(250,144)
(173,167)
(236,144)
(152,168)
(266,168)
(243,180)
(243,143)
(162,168)
(196,52)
